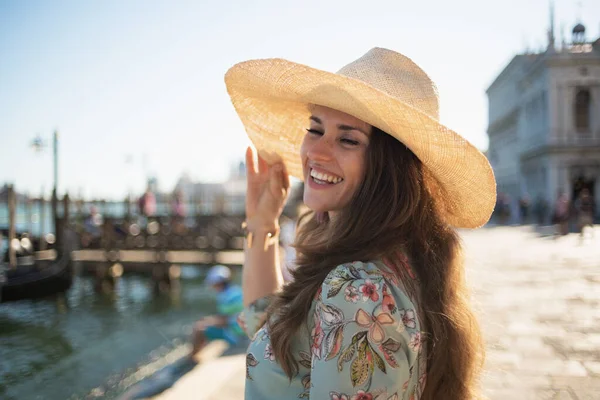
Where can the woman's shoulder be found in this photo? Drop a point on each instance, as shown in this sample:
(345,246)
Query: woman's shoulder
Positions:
(362,281)
(355,270)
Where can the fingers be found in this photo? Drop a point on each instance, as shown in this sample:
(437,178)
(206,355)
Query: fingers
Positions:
(263,166)
(278,180)
(285,177)
(250,167)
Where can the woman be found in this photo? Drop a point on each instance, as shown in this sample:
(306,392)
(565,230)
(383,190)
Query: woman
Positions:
(377,308)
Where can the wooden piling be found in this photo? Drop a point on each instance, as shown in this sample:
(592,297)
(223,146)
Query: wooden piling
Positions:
(42,222)
(54,210)
(66,208)
(29,216)
(12,231)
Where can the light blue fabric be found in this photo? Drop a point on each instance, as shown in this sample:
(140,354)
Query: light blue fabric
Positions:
(230,304)
(362,341)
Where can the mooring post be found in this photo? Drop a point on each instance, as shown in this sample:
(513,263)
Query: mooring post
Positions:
(29,216)
(66,206)
(12,231)
(55,219)
(42,222)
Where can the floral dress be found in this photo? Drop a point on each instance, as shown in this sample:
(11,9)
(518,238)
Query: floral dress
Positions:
(362,342)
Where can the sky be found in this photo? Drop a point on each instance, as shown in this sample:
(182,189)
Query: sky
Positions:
(135,88)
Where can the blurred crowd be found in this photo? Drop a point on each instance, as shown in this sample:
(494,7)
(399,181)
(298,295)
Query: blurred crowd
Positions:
(566,214)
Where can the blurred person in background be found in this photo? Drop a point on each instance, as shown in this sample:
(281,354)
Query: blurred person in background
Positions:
(524,204)
(147,203)
(584,207)
(224,324)
(561,214)
(92,227)
(178,212)
(378,306)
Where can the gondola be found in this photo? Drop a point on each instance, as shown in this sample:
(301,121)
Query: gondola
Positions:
(37,281)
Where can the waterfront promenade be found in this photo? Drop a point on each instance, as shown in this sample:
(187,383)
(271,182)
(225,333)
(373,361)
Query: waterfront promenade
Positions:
(539,304)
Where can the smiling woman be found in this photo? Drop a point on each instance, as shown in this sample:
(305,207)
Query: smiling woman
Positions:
(378,306)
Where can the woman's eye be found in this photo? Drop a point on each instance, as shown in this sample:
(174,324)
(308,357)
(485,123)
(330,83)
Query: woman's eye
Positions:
(314,131)
(350,141)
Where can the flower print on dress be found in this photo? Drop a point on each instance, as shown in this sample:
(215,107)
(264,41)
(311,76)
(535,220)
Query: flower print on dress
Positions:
(351,294)
(408,319)
(306,385)
(369,290)
(269,355)
(388,303)
(251,361)
(316,336)
(338,396)
(305,359)
(374,323)
(362,395)
(415,342)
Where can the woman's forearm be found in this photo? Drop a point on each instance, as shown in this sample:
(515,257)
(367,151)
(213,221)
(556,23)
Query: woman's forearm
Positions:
(261,274)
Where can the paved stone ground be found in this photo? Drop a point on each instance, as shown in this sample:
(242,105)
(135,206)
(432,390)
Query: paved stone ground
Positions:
(539,301)
(539,304)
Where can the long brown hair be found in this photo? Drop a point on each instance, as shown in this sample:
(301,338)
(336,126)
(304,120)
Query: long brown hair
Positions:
(391,211)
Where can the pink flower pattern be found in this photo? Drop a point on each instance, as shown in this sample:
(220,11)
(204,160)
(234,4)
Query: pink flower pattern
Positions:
(362,395)
(369,290)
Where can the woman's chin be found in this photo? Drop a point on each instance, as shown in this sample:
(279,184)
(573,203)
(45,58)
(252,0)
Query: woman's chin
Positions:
(315,205)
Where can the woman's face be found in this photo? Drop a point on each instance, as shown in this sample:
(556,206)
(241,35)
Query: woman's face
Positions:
(333,158)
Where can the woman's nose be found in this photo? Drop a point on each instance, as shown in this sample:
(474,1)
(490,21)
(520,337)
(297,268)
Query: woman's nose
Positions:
(321,150)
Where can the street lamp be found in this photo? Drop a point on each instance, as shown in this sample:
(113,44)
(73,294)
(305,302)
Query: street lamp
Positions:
(38,145)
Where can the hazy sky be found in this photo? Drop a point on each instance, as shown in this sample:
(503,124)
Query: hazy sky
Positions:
(136,87)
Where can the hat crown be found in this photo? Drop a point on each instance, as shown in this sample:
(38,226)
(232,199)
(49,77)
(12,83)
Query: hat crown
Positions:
(398,76)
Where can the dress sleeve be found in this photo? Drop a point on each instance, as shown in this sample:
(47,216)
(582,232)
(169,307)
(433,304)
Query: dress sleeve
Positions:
(253,316)
(366,340)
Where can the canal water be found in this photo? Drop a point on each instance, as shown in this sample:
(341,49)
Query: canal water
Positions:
(91,345)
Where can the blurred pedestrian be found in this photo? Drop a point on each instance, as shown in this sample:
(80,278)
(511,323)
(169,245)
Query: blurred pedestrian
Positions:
(524,204)
(147,203)
(224,324)
(561,214)
(584,207)
(92,227)
(178,212)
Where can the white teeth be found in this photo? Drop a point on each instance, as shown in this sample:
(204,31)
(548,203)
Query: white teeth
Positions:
(324,177)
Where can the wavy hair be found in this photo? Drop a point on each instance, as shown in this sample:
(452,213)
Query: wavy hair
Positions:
(391,211)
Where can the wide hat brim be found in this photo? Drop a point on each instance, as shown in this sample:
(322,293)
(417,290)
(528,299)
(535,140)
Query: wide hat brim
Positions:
(271,97)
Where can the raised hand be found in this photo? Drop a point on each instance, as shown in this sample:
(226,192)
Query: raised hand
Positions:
(267,192)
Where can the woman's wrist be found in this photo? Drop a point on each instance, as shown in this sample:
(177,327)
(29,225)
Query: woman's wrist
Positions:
(261,232)
(260,225)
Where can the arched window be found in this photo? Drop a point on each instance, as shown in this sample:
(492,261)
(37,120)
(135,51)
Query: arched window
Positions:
(583,108)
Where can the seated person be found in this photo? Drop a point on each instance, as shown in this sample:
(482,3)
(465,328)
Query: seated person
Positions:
(229,304)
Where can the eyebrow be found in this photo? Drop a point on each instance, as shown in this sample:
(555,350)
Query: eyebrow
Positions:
(340,127)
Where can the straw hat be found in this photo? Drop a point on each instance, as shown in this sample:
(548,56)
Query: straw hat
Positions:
(382,88)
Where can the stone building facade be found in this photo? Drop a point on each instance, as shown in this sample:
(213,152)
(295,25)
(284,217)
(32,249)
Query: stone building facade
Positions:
(544,123)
